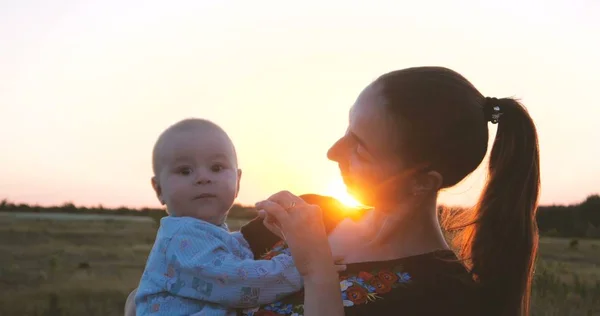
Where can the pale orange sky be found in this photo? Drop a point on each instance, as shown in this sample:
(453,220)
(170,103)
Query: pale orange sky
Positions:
(86,86)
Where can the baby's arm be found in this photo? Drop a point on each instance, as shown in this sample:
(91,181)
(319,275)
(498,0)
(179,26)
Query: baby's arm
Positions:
(203,267)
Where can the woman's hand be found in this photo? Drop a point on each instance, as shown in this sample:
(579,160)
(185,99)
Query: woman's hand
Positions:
(270,223)
(301,226)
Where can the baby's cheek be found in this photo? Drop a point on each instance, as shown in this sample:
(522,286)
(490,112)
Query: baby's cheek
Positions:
(226,191)
(180,196)
(179,191)
(231,188)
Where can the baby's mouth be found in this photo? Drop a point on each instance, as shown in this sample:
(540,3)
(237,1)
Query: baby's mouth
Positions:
(204,196)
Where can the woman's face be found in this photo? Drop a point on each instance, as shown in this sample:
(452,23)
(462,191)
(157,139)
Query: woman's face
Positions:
(365,153)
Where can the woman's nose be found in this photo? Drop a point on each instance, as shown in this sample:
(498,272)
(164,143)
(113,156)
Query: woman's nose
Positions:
(334,152)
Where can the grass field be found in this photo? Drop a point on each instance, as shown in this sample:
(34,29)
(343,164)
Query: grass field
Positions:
(64,267)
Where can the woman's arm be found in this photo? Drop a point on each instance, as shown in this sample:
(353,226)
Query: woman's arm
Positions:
(304,230)
(322,295)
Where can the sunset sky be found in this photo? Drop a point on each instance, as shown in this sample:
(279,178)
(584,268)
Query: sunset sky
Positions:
(87,86)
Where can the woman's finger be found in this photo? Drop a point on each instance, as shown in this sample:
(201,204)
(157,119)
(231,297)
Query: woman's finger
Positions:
(286,199)
(274,211)
(270,222)
(272,225)
(265,216)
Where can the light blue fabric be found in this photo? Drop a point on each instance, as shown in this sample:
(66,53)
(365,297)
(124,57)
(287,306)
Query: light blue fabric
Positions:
(197,268)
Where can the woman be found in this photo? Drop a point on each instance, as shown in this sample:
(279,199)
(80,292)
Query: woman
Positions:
(412,133)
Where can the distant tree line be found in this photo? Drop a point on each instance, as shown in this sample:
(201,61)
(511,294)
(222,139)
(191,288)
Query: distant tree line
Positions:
(579,220)
(237,211)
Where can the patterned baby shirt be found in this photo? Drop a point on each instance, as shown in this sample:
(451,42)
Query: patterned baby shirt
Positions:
(197,268)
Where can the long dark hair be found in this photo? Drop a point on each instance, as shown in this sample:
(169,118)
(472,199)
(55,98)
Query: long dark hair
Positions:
(442,122)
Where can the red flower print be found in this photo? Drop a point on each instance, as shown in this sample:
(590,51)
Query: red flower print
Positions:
(265,313)
(387,277)
(380,286)
(365,275)
(155,307)
(357,294)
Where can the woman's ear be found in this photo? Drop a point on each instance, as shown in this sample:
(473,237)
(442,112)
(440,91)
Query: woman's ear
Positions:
(427,183)
(436,180)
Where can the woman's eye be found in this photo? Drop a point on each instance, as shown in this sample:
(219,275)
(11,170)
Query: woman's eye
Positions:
(360,153)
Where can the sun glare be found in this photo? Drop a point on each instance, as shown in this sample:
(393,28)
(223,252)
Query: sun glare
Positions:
(337,190)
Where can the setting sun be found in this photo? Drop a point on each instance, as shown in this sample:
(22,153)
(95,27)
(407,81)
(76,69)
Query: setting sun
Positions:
(337,190)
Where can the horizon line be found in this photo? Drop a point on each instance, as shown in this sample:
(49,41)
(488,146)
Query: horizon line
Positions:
(245,205)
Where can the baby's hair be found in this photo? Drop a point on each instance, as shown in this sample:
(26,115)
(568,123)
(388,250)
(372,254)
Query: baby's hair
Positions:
(183,125)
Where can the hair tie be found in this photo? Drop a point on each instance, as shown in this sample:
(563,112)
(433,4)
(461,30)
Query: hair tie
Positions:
(492,110)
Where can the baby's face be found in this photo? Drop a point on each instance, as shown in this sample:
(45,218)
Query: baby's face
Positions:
(198,174)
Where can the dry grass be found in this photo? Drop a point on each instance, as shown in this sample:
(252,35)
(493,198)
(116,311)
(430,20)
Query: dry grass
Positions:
(567,280)
(88,268)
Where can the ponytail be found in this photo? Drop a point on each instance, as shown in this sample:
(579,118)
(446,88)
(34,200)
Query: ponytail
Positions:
(500,237)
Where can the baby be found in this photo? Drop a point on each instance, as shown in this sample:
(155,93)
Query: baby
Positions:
(196,266)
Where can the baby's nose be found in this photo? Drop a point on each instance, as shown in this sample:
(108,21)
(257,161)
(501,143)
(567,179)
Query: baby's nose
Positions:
(203,178)
(203,181)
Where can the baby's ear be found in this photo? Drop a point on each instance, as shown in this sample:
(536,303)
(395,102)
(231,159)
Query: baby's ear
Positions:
(239,177)
(157,189)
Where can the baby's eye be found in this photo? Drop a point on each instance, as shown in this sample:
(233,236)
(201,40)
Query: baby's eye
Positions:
(217,168)
(185,171)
